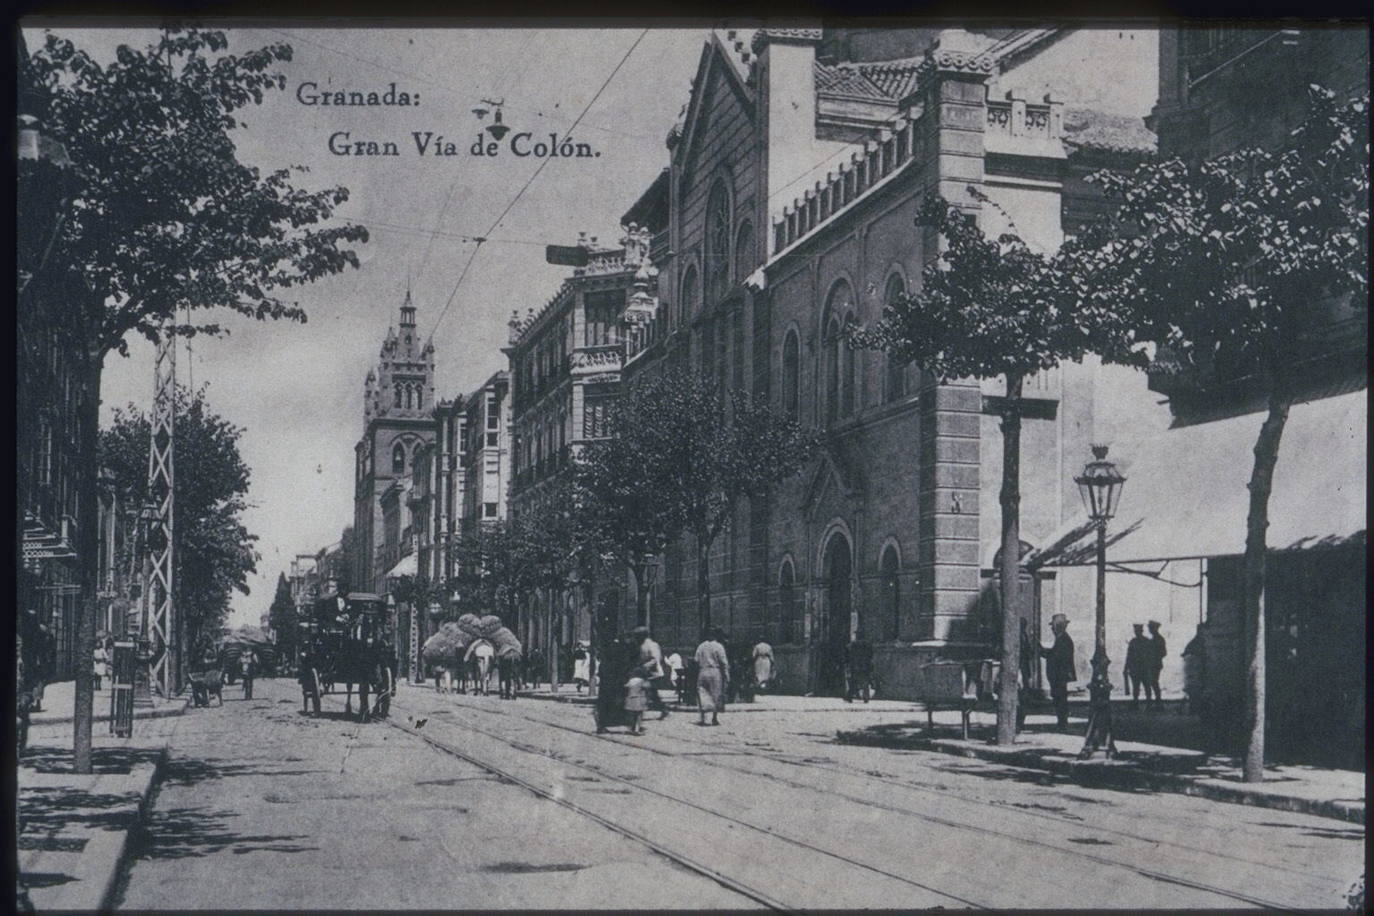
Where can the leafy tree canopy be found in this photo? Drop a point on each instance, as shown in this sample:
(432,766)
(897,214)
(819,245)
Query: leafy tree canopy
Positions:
(214,551)
(1227,259)
(164,216)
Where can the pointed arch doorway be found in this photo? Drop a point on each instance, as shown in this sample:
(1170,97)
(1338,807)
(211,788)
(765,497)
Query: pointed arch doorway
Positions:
(832,633)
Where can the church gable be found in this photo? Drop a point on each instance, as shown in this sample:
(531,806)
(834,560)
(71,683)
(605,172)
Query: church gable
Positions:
(720,102)
(829,493)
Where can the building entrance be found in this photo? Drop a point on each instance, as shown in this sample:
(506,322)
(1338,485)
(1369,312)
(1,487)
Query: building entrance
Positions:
(831,637)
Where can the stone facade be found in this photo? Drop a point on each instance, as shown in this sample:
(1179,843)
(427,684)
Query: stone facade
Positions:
(398,403)
(893,530)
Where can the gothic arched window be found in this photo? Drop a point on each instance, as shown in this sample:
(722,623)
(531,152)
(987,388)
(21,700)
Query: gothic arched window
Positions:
(837,354)
(791,374)
(744,250)
(717,243)
(687,305)
(397,389)
(788,631)
(398,459)
(896,370)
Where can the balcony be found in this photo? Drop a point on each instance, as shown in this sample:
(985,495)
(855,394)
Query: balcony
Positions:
(593,360)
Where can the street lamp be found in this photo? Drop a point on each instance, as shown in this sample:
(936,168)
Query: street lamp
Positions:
(1100,486)
(147,518)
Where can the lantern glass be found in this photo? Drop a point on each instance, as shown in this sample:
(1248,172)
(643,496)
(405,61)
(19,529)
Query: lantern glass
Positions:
(1100,486)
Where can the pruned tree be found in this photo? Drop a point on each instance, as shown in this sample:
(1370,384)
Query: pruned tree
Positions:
(1227,268)
(161,219)
(991,308)
(675,437)
(281,617)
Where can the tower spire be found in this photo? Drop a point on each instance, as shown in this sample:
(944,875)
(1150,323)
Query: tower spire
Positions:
(407,309)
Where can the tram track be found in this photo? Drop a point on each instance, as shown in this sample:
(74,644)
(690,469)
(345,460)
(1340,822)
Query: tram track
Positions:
(755,894)
(1082,854)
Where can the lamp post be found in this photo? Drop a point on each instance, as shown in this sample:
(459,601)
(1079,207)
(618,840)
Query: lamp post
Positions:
(1100,486)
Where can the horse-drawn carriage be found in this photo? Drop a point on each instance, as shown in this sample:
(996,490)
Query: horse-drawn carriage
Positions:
(348,641)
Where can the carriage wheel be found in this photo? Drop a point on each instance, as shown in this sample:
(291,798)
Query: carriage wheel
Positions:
(319,689)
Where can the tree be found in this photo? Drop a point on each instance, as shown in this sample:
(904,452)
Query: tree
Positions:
(214,551)
(281,617)
(673,436)
(163,219)
(1227,268)
(989,308)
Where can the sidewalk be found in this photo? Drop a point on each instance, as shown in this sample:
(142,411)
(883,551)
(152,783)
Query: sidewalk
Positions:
(1338,794)
(1167,758)
(59,700)
(74,828)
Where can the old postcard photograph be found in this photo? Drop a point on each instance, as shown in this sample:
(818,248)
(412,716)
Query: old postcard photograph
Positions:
(577,465)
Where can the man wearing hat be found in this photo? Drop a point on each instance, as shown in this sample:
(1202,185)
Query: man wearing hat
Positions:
(651,661)
(1138,652)
(1059,667)
(1154,664)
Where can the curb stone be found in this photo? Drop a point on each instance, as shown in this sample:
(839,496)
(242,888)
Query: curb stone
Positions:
(1112,775)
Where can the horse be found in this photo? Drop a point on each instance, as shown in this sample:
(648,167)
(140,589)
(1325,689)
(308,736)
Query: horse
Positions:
(508,670)
(478,665)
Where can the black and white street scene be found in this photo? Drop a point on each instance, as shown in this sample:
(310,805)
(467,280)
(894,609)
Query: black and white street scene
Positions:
(746,465)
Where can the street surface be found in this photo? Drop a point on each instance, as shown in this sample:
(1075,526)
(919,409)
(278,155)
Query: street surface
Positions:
(475,802)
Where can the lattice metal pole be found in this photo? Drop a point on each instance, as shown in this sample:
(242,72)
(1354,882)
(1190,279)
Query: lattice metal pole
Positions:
(162,670)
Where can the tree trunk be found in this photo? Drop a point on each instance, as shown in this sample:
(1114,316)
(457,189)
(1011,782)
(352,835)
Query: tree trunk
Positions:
(552,640)
(1253,575)
(641,593)
(703,583)
(88,486)
(1009,571)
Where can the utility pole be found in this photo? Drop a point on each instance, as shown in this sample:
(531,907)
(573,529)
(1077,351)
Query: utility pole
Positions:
(163,666)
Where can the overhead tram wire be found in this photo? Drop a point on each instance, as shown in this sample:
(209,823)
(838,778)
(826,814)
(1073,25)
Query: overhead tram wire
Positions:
(453,185)
(525,187)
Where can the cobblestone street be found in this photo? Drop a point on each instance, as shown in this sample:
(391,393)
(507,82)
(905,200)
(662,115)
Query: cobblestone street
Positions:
(464,801)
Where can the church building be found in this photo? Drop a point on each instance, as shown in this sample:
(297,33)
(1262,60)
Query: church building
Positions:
(398,403)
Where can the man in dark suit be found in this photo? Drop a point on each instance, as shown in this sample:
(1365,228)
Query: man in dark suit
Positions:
(1060,670)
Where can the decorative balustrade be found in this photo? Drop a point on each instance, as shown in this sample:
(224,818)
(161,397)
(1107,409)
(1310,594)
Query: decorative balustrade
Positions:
(1015,117)
(597,359)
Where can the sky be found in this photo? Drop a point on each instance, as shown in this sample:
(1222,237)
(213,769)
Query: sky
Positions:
(296,390)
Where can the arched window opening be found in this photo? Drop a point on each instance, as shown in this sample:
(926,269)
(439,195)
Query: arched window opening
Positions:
(849,381)
(832,369)
(398,459)
(744,251)
(788,631)
(791,374)
(892,593)
(397,391)
(717,243)
(895,382)
(838,356)
(687,306)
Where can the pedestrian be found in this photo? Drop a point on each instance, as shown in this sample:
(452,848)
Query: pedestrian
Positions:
(651,660)
(859,668)
(713,675)
(763,664)
(1154,664)
(100,662)
(247,668)
(1138,652)
(1195,674)
(1060,670)
(582,676)
(637,690)
(674,665)
(614,664)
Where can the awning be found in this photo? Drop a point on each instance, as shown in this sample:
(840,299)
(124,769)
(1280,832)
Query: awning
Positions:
(1186,493)
(406,566)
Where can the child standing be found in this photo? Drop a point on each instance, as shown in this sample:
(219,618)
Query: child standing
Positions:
(636,699)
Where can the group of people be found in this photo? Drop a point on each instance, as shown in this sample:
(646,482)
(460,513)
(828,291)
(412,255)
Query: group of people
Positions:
(1144,662)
